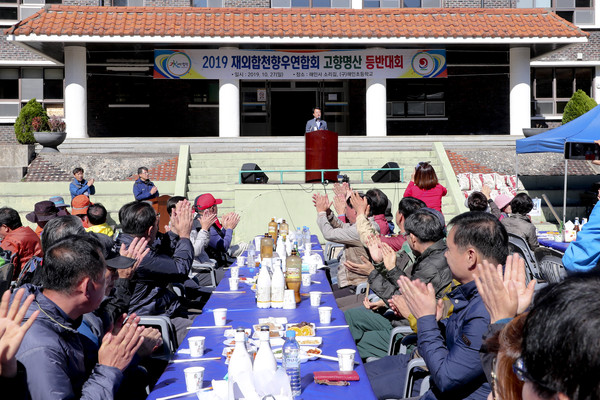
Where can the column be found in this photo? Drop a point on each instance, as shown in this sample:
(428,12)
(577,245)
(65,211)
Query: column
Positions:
(520,90)
(76,92)
(596,85)
(376,107)
(229,105)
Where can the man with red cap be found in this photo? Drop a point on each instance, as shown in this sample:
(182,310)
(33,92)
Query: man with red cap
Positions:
(219,246)
(79,207)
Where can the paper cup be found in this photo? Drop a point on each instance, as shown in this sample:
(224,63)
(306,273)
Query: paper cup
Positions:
(325,315)
(346,359)
(315,299)
(193,378)
(312,268)
(305,279)
(289,299)
(234,283)
(197,346)
(220,315)
(308,247)
(241,261)
(235,272)
(257,243)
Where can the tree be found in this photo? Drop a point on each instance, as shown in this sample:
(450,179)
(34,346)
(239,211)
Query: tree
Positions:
(23,128)
(579,104)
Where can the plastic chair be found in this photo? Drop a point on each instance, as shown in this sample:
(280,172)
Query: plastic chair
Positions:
(205,267)
(550,264)
(396,340)
(333,251)
(517,244)
(167,330)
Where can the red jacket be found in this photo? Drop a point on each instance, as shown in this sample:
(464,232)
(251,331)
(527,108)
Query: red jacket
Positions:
(431,197)
(24,244)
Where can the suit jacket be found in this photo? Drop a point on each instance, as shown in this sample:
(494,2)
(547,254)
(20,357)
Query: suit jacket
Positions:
(311,125)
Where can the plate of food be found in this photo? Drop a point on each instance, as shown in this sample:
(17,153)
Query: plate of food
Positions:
(309,340)
(306,354)
(302,328)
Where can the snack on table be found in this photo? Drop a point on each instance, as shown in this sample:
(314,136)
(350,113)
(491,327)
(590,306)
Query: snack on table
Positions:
(302,328)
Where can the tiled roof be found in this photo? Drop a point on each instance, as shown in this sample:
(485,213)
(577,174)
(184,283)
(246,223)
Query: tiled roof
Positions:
(454,23)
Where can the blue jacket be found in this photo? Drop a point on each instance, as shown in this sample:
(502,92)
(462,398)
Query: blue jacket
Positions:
(583,255)
(141,190)
(57,360)
(150,294)
(76,188)
(451,349)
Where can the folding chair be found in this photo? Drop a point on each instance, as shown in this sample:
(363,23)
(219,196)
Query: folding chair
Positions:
(167,330)
(550,264)
(517,244)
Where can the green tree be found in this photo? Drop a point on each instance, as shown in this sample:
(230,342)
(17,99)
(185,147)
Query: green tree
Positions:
(579,104)
(23,129)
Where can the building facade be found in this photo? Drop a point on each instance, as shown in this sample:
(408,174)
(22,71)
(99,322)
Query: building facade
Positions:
(508,67)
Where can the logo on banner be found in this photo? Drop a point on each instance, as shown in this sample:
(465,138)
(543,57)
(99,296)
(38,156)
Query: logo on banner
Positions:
(423,64)
(179,64)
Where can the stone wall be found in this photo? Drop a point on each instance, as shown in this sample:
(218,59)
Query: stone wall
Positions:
(7,134)
(12,52)
(248,3)
(590,50)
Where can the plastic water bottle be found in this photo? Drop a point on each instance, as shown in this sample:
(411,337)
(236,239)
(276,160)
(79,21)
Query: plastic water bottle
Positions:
(251,254)
(299,237)
(306,235)
(291,361)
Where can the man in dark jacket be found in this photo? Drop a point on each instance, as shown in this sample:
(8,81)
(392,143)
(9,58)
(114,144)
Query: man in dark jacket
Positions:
(425,235)
(52,351)
(144,188)
(450,347)
(150,295)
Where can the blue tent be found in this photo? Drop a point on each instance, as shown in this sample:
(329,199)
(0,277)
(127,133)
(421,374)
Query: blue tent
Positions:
(584,129)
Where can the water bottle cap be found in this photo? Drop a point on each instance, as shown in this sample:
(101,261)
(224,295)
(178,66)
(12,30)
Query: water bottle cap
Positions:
(290,334)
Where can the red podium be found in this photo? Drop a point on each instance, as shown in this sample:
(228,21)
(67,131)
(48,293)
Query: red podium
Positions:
(321,152)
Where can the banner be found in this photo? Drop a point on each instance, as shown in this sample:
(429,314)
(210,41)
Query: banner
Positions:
(299,64)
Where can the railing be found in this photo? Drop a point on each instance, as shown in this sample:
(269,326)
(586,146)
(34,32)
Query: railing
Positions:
(322,171)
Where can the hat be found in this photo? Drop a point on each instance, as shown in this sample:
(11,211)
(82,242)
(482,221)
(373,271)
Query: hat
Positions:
(111,254)
(205,201)
(43,211)
(502,200)
(437,214)
(58,201)
(80,204)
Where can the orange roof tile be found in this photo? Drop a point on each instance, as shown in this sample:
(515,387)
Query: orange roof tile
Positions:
(288,23)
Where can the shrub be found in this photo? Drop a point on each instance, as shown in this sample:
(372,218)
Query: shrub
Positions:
(579,104)
(23,124)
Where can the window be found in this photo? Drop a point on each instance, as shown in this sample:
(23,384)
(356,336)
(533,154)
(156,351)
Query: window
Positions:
(402,3)
(208,3)
(580,12)
(415,99)
(553,87)
(310,4)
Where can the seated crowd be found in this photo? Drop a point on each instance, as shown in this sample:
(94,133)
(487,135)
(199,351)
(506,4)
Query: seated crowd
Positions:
(72,328)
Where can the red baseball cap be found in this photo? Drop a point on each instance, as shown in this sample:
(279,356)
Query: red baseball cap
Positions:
(205,201)
(80,204)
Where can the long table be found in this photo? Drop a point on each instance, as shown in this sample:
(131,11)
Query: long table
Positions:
(242,312)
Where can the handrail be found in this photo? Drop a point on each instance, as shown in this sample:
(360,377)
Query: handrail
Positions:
(322,171)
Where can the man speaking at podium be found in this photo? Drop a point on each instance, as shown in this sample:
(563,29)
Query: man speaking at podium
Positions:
(316,124)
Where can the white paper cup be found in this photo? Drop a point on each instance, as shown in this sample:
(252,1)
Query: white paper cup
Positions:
(235,272)
(305,279)
(315,299)
(308,247)
(241,261)
(289,299)
(196,346)
(234,283)
(346,359)
(325,315)
(257,243)
(312,268)
(193,378)
(220,315)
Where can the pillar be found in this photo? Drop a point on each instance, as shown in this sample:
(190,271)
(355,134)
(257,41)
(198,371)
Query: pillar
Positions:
(520,90)
(376,107)
(596,85)
(76,92)
(229,106)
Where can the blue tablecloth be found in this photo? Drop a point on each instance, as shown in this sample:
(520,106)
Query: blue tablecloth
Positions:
(242,312)
(560,246)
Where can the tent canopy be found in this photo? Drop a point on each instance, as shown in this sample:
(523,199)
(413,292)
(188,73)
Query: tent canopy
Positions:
(584,129)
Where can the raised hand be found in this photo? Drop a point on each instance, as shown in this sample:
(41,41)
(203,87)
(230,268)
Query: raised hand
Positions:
(138,249)
(321,202)
(399,306)
(231,221)
(389,256)
(420,298)
(11,330)
(360,205)
(339,203)
(374,246)
(182,218)
(372,305)
(118,350)
(207,219)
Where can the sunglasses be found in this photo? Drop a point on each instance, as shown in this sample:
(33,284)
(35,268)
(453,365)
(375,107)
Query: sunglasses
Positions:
(523,375)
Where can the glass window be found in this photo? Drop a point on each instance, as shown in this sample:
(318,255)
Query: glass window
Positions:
(564,82)
(415,108)
(553,87)
(321,3)
(9,83)
(8,13)
(543,82)
(9,110)
(412,3)
(301,3)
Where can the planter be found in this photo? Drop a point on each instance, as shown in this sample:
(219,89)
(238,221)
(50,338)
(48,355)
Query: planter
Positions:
(534,131)
(50,140)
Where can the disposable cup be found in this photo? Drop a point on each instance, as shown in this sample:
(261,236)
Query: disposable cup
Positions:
(241,261)
(220,315)
(312,268)
(257,243)
(289,299)
(305,279)
(315,299)
(234,283)
(197,346)
(193,378)
(346,359)
(235,272)
(325,315)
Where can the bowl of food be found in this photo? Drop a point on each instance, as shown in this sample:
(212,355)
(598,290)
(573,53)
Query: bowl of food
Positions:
(313,341)
(302,328)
